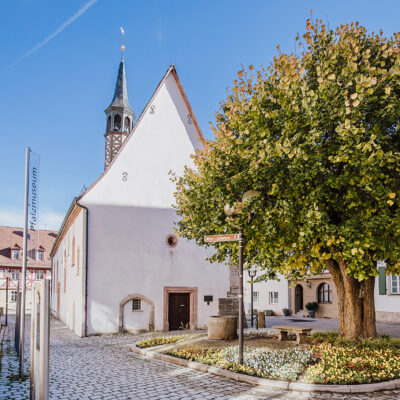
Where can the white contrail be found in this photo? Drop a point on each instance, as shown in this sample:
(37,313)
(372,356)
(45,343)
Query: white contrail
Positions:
(69,21)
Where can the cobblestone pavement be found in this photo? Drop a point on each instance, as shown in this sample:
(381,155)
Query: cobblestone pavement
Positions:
(102,367)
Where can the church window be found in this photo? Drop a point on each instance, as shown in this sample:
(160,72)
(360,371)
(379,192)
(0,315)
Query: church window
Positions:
(73,251)
(65,271)
(136,305)
(117,122)
(109,123)
(127,125)
(77,261)
(172,240)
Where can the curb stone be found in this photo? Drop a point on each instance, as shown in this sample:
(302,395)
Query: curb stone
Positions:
(262,382)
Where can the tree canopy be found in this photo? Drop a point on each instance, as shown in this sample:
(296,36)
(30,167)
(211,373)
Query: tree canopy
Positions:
(317,134)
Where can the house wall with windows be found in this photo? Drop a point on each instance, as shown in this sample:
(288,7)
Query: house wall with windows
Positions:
(387,295)
(11,256)
(69,272)
(268,295)
(320,289)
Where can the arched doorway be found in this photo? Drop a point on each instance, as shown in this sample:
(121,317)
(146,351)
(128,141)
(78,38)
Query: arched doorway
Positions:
(136,299)
(298,298)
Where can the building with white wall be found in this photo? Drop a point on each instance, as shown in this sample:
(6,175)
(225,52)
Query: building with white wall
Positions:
(270,295)
(117,262)
(321,289)
(387,295)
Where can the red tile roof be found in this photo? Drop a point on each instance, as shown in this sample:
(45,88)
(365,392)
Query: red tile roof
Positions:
(12,237)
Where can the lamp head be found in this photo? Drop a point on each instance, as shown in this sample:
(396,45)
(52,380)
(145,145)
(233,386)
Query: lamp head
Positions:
(230,211)
(250,194)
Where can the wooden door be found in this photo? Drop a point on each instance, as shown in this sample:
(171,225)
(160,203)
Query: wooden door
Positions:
(58,299)
(178,311)
(298,293)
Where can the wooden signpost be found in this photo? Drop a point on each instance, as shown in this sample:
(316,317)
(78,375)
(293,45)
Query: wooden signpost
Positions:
(234,237)
(231,237)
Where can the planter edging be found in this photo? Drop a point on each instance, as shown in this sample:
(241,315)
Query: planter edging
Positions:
(255,380)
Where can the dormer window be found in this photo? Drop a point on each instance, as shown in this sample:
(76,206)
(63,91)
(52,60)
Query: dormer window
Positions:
(15,254)
(40,255)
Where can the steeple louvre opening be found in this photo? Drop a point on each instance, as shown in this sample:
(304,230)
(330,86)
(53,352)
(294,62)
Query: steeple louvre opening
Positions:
(117,122)
(127,125)
(108,124)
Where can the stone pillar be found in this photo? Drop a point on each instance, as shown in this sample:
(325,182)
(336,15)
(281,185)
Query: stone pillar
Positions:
(229,305)
(233,281)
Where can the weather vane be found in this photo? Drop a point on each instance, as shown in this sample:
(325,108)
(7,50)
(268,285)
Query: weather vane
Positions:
(122,42)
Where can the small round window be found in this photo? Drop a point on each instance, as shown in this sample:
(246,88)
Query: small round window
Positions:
(172,240)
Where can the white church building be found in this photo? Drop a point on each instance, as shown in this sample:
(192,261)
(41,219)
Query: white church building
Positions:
(117,264)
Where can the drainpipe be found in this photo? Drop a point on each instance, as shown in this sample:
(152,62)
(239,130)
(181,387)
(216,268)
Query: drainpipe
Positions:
(86,268)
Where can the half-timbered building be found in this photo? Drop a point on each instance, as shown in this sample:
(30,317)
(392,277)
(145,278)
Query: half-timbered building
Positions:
(40,243)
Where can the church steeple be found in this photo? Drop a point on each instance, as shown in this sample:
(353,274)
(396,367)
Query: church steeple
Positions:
(120,116)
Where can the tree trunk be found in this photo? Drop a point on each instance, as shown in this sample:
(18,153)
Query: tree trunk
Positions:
(355,302)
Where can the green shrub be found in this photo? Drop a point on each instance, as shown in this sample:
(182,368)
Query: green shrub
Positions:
(312,306)
(324,337)
(331,337)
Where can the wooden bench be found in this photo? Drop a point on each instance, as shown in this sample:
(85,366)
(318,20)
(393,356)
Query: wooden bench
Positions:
(301,333)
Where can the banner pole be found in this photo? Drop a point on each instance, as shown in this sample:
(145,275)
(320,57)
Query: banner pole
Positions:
(24,262)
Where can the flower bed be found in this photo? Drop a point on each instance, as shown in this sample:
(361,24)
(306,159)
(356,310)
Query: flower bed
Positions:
(282,364)
(347,365)
(330,360)
(158,341)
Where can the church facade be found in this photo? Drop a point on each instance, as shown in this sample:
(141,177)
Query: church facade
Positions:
(117,263)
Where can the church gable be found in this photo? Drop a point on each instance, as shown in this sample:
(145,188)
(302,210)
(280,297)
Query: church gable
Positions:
(162,140)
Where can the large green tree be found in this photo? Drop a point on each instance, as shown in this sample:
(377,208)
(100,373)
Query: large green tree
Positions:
(317,134)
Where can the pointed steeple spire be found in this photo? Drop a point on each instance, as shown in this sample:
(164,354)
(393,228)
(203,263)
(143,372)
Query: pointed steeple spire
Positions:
(120,117)
(120,98)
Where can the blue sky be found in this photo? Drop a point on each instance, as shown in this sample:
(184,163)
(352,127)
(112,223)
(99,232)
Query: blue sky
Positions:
(54,99)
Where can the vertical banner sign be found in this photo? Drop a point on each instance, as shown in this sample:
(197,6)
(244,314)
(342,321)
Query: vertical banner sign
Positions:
(33,203)
(31,224)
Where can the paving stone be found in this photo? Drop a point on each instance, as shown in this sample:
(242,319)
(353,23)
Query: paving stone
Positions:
(103,368)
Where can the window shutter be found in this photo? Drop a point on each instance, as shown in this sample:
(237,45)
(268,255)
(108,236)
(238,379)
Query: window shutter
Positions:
(382,280)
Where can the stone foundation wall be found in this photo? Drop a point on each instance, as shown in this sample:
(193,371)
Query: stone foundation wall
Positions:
(387,316)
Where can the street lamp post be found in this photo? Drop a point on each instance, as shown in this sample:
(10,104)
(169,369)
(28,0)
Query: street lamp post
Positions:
(230,212)
(241,245)
(252,274)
